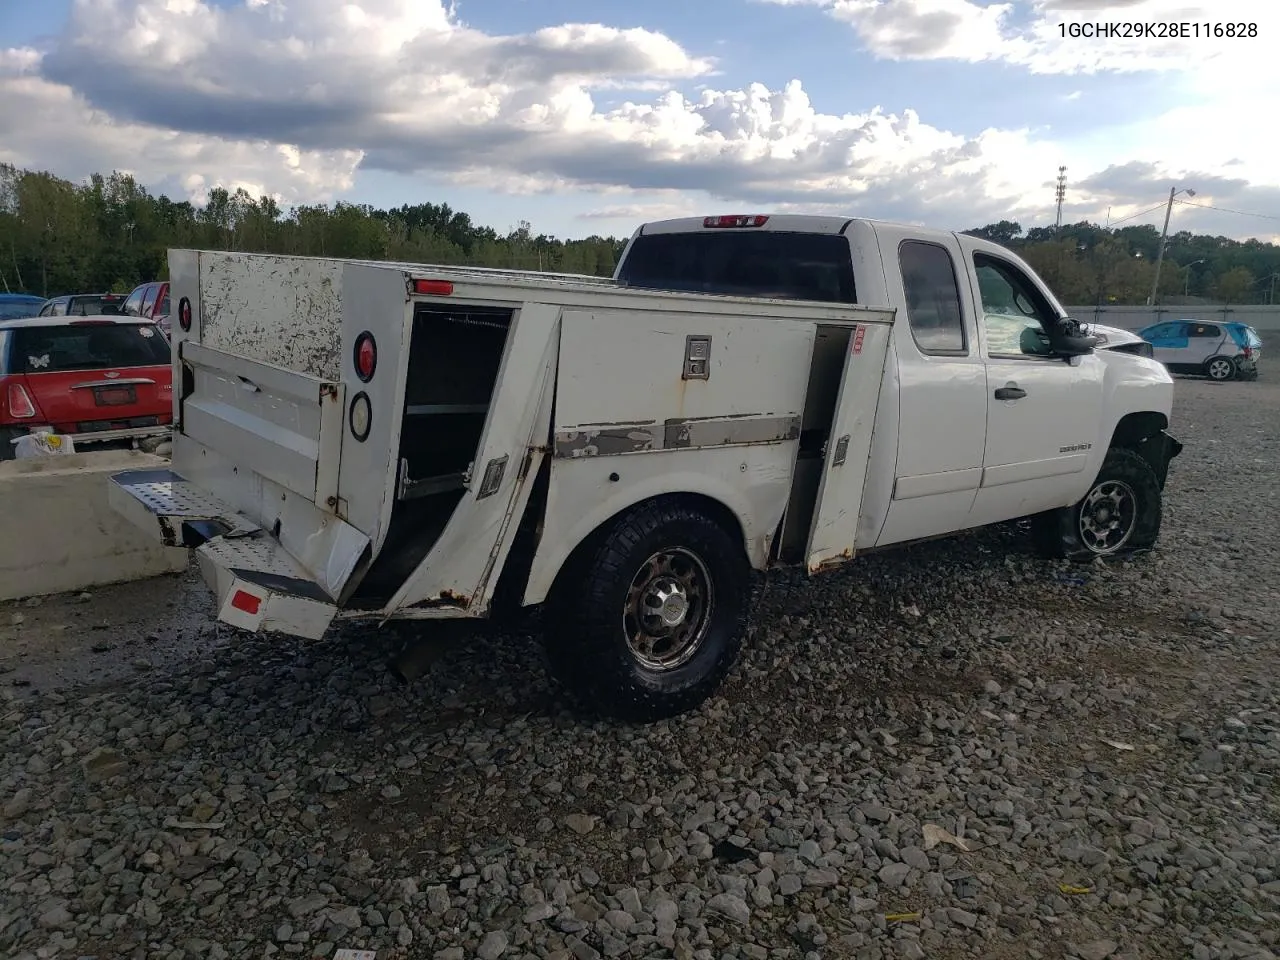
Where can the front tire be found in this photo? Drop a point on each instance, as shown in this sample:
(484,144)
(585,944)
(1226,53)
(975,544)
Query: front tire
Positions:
(1119,515)
(647,619)
(1220,369)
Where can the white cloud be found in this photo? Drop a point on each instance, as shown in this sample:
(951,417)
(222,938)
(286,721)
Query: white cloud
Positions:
(46,125)
(291,97)
(1043,36)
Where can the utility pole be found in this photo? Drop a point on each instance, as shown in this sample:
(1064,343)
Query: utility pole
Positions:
(1164,237)
(1061,195)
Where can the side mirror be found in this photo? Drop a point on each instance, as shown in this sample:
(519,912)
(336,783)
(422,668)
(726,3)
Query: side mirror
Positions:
(1070,338)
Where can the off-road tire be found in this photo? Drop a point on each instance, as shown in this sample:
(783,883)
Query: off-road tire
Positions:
(1057,534)
(585,633)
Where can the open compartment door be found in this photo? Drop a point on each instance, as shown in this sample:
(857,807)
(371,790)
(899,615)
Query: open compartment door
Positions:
(460,572)
(834,530)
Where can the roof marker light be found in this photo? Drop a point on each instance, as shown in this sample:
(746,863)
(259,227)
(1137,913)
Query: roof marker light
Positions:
(433,288)
(736,220)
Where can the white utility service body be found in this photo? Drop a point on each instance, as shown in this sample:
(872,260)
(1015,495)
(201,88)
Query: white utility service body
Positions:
(629,394)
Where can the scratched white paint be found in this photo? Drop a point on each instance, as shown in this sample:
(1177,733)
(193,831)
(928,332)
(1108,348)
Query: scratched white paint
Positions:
(285,311)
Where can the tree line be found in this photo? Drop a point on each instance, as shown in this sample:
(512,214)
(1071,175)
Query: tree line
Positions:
(1087,264)
(110,234)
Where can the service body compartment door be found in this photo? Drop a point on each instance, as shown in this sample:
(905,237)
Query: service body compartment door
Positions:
(848,452)
(460,574)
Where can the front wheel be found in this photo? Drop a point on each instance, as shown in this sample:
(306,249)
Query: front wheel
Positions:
(647,620)
(1220,368)
(1119,515)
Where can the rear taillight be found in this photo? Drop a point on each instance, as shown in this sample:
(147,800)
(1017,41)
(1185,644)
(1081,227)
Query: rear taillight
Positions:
(1248,353)
(736,220)
(184,315)
(21,406)
(366,356)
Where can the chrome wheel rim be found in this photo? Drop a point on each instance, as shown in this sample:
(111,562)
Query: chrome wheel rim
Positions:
(1108,517)
(1220,369)
(668,609)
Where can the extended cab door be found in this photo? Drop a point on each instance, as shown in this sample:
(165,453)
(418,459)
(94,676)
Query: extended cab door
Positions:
(941,385)
(1042,411)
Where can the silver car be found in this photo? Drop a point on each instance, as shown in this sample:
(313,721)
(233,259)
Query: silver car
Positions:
(1218,350)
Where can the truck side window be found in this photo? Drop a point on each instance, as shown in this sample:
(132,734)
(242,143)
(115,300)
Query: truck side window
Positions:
(933,298)
(1015,315)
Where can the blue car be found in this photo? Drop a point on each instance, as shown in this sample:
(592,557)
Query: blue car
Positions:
(1218,350)
(14,306)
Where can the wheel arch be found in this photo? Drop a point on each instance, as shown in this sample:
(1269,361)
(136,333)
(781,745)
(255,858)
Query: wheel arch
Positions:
(714,508)
(1144,433)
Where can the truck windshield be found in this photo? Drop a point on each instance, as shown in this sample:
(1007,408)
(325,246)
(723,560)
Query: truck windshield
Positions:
(770,263)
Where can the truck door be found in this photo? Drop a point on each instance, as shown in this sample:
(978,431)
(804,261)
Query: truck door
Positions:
(940,387)
(1042,411)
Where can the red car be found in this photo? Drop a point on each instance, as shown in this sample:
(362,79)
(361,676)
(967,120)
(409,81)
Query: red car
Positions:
(101,380)
(151,302)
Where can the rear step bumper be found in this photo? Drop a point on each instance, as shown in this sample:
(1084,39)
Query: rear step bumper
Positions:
(258,585)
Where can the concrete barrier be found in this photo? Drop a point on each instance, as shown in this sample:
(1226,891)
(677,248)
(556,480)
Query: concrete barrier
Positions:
(57,532)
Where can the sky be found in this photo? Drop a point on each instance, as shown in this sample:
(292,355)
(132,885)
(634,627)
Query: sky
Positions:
(591,116)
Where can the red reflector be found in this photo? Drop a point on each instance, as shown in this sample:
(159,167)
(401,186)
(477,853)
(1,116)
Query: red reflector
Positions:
(1248,353)
(243,600)
(184,314)
(366,359)
(736,220)
(433,288)
(21,406)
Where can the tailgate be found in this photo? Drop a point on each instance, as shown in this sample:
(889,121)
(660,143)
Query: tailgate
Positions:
(282,425)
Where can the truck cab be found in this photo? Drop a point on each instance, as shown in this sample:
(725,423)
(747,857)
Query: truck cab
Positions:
(994,405)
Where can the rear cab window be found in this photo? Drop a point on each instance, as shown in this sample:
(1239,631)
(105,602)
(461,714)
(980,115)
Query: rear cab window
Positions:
(748,263)
(933,298)
(95,346)
(94,306)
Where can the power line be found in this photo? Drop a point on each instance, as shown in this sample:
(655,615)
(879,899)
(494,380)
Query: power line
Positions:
(1241,213)
(1134,216)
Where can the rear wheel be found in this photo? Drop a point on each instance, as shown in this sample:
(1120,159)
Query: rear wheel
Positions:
(647,620)
(1120,514)
(1220,368)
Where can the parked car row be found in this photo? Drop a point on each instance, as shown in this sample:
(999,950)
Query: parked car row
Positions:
(150,301)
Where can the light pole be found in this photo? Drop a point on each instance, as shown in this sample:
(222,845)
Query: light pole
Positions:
(1186,285)
(1164,236)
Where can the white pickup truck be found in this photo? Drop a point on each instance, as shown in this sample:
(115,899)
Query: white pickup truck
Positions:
(384,440)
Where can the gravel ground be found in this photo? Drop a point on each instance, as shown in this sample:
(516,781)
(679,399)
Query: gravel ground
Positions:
(953,752)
